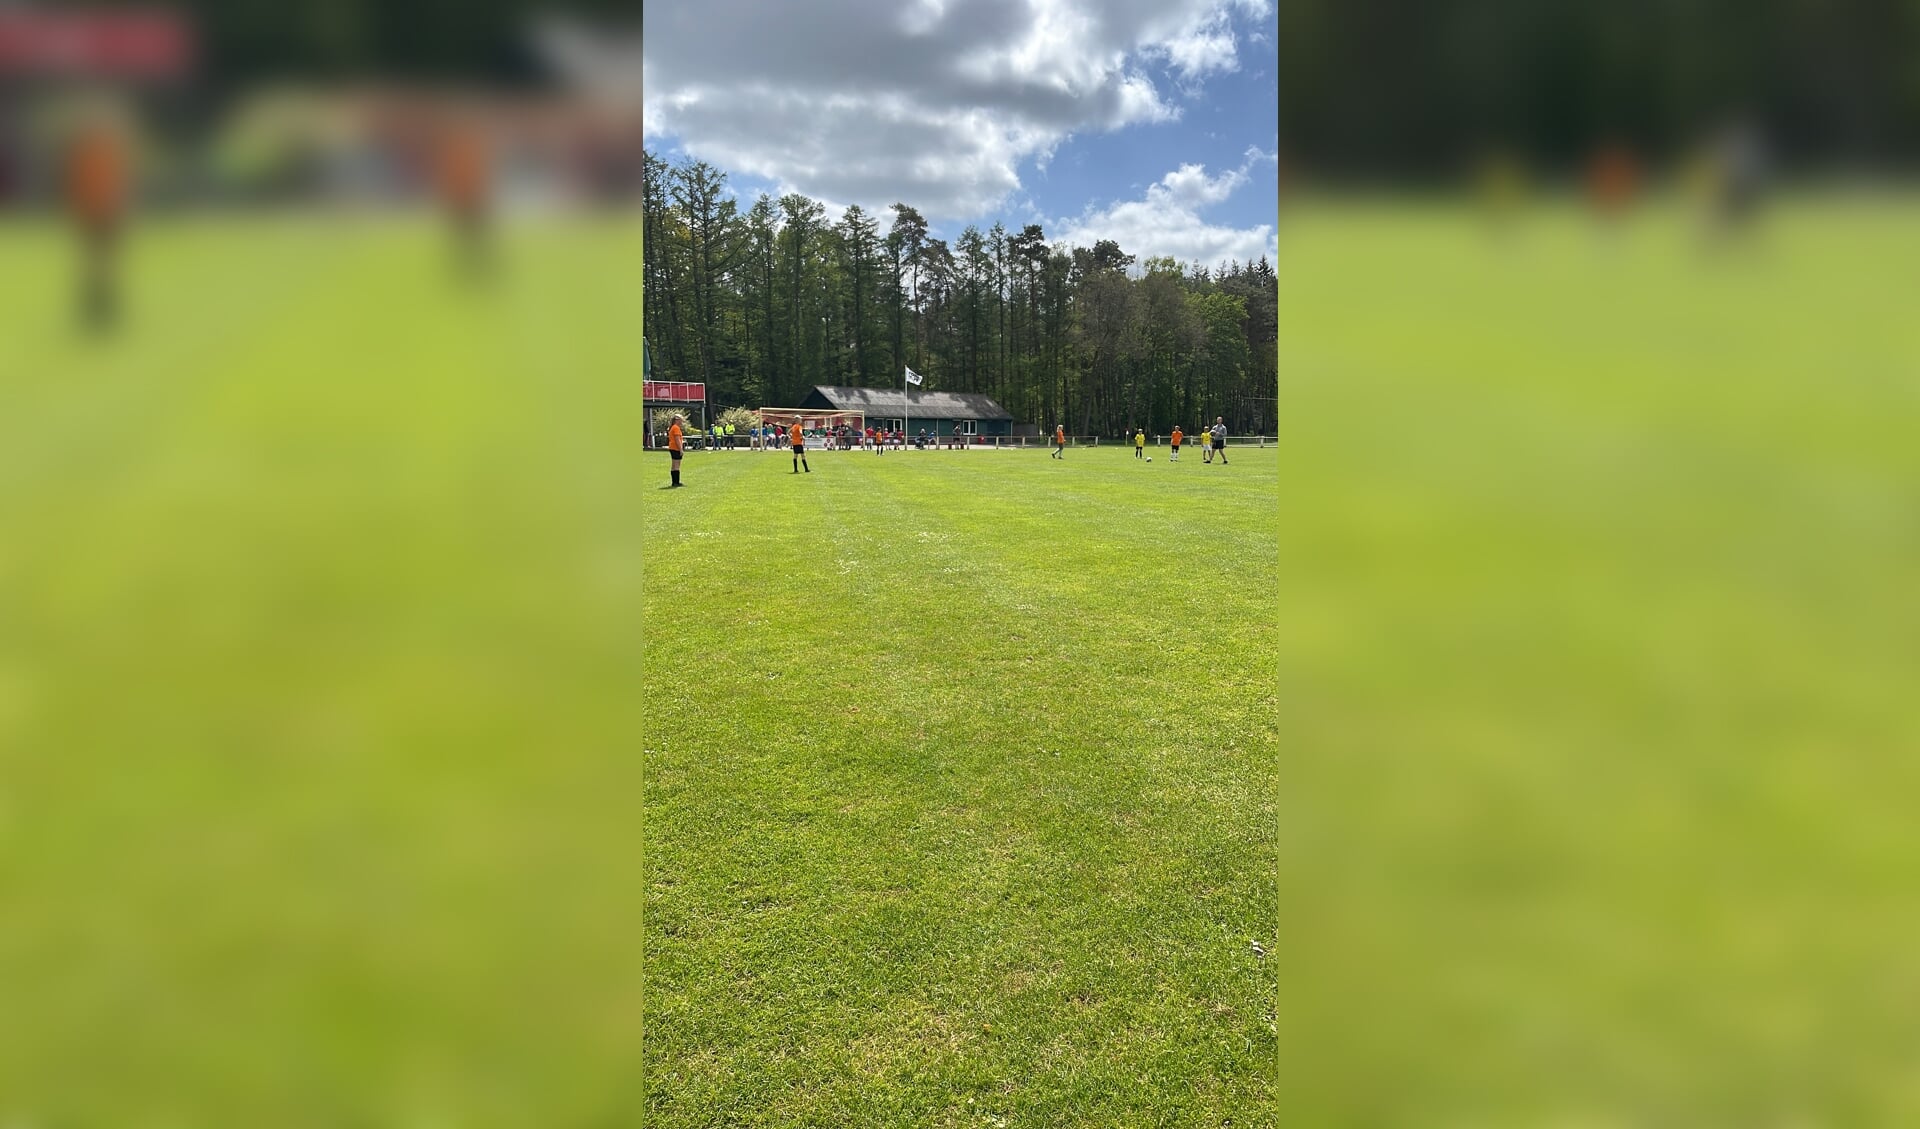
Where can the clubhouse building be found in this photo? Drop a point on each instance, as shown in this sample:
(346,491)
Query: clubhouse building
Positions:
(940,413)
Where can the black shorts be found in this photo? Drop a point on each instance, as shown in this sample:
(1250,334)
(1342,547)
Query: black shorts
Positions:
(674,453)
(1219,444)
(799,448)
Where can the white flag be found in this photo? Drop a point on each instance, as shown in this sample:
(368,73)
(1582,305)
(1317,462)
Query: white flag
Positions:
(913,377)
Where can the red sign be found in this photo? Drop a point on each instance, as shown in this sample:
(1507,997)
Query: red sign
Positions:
(673,391)
(147,43)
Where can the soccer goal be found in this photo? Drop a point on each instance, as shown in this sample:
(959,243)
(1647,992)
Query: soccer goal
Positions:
(822,428)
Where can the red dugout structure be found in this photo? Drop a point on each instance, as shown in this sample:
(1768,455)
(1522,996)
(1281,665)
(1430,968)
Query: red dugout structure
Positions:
(688,396)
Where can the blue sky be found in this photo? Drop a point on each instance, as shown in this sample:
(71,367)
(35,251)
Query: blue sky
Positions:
(1152,122)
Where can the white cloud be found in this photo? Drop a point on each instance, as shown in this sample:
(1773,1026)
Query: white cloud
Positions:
(1203,47)
(1168,221)
(1189,187)
(935,102)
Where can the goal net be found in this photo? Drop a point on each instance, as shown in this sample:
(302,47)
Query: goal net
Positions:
(823,429)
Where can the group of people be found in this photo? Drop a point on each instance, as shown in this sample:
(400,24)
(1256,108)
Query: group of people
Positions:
(875,439)
(1212,441)
(724,436)
(677,444)
(770,437)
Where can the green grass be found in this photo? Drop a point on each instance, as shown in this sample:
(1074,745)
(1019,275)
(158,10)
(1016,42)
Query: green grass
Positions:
(1599,613)
(960,790)
(319,680)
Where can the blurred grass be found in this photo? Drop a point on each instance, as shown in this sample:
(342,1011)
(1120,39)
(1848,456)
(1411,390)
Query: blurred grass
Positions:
(1599,617)
(319,601)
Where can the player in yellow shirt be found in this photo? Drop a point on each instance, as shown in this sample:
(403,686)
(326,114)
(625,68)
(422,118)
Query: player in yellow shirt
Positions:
(1140,443)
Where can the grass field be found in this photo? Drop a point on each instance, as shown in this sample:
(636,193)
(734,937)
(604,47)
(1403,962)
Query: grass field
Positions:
(380,745)
(960,792)
(1599,614)
(319,683)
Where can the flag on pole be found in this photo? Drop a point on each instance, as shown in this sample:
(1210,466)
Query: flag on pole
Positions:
(913,377)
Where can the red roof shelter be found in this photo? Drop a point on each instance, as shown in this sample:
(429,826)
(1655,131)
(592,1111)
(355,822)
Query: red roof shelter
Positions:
(121,43)
(685,394)
(666,393)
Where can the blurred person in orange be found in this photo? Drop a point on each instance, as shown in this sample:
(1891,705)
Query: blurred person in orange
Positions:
(1613,181)
(464,175)
(97,187)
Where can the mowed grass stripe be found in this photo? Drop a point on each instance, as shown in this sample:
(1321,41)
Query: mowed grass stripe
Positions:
(922,828)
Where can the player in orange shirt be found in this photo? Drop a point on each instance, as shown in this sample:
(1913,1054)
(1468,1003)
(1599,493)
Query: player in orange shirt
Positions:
(676,444)
(1059,441)
(1613,181)
(799,439)
(1175,439)
(464,180)
(96,191)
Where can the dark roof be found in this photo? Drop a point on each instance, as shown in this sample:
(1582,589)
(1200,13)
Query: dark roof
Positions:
(914,403)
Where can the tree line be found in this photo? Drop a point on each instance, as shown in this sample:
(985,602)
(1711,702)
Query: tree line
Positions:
(242,42)
(762,304)
(1407,88)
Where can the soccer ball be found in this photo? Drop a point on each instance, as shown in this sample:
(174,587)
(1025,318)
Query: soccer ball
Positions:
(1149,458)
